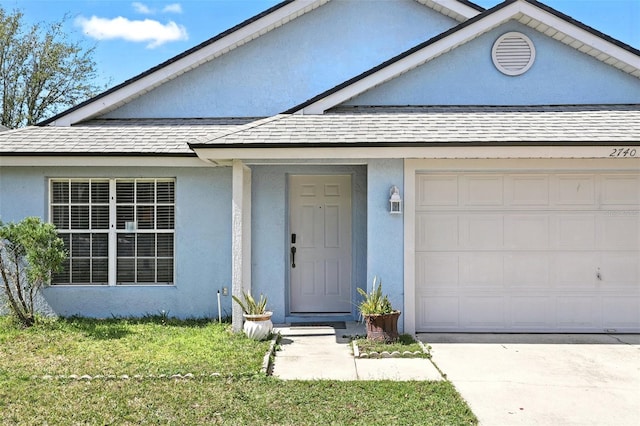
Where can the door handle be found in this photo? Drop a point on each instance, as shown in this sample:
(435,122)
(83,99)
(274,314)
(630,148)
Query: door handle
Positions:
(293,257)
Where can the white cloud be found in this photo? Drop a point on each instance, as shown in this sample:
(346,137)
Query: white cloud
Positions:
(148,30)
(146,10)
(173,8)
(142,8)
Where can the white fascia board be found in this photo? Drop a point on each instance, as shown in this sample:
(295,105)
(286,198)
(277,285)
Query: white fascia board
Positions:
(512,11)
(579,34)
(454,7)
(205,54)
(248,155)
(100,161)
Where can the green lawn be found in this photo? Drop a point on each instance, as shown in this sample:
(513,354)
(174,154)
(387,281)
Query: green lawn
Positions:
(239,395)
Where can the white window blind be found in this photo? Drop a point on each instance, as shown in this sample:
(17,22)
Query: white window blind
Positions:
(145,224)
(136,215)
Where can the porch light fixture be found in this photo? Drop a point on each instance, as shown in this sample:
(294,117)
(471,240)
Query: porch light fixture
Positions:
(395,202)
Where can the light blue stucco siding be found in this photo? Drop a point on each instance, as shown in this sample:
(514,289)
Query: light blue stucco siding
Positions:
(202,242)
(203,237)
(466,75)
(270,232)
(385,241)
(295,62)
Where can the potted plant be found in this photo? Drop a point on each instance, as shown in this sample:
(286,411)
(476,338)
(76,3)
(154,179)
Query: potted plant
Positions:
(257,320)
(381,319)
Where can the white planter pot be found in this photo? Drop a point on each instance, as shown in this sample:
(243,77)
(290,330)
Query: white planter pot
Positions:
(257,327)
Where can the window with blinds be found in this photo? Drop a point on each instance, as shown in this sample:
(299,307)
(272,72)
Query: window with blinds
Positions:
(116,231)
(145,228)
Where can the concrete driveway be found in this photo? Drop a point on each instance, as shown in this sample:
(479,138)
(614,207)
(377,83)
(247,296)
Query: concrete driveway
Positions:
(543,379)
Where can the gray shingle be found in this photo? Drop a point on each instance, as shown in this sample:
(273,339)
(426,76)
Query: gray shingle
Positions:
(136,137)
(441,125)
(356,125)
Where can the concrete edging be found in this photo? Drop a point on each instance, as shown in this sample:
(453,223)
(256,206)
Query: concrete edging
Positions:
(267,364)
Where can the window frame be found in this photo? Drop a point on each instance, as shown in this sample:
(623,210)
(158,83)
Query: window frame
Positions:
(113,231)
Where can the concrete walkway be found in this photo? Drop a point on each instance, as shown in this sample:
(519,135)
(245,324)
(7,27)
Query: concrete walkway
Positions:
(324,353)
(506,379)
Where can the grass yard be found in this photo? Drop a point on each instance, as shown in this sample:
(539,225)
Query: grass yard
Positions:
(148,346)
(239,396)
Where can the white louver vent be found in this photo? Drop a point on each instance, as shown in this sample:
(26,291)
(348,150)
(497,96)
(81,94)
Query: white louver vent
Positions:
(513,53)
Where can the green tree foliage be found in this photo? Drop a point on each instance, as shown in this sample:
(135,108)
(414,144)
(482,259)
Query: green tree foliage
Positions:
(41,70)
(30,252)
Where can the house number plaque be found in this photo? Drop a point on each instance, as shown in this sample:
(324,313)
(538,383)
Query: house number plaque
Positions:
(623,152)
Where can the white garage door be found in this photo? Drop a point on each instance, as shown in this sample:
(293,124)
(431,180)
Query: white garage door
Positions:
(546,252)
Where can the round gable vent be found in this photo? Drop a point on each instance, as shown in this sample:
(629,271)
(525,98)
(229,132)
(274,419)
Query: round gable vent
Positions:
(513,53)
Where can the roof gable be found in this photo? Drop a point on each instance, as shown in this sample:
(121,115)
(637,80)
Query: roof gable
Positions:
(217,46)
(527,12)
(467,75)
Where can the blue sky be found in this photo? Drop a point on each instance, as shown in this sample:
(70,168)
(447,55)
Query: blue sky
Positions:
(133,36)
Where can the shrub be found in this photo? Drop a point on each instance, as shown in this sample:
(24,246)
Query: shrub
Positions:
(30,252)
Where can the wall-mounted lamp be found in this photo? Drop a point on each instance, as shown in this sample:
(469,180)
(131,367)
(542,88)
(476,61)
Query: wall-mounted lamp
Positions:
(395,202)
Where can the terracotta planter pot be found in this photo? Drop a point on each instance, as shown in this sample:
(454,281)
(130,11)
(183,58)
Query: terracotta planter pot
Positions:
(257,327)
(382,328)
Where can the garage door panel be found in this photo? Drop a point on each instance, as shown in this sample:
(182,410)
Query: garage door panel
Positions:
(437,191)
(620,269)
(623,313)
(527,231)
(621,190)
(437,231)
(482,231)
(440,270)
(578,312)
(481,270)
(575,190)
(575,269)
(528,270)
(546,252)
(528,190)
(482,312)
(532,312)
(441,312)
(576,231)
(482,190)
(619,231)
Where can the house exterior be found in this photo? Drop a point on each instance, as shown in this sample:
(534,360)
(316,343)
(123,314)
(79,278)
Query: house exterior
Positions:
(265,158)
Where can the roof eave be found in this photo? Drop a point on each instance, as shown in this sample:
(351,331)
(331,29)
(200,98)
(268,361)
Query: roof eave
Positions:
(456,9)
(355,154)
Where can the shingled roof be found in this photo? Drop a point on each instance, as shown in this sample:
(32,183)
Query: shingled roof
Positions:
(115,137)
(437,126)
